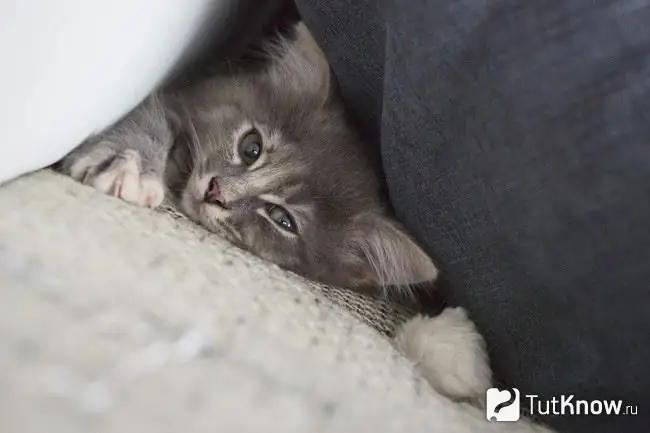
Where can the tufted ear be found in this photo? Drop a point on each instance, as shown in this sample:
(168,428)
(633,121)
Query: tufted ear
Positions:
(301,65)
(386,255)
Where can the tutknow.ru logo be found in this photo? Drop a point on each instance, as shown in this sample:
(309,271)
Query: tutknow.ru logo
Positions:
(505,405)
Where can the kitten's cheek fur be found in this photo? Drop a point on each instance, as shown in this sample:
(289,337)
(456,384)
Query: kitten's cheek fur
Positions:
(188,205)
(192,198)
(208,214)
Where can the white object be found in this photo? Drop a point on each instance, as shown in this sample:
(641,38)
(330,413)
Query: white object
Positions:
(73,67)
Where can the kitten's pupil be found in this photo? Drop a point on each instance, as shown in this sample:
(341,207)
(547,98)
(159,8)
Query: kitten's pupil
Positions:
(250,147)
(281,217)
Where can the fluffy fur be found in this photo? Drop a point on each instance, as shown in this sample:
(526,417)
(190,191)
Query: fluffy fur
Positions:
(449,352)
(451,355)
(313,165)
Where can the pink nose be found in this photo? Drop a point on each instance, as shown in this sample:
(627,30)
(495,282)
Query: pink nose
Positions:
(213,193)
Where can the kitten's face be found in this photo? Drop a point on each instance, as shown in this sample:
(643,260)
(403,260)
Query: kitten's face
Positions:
(276,167)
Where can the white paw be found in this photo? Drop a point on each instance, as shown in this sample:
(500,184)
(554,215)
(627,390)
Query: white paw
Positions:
(449,352)
(122,177)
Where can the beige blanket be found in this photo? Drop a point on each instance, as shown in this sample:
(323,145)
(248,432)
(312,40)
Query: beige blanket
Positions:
(120,319)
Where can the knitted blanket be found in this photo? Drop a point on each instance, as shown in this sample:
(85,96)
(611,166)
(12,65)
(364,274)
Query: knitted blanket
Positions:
(115,318)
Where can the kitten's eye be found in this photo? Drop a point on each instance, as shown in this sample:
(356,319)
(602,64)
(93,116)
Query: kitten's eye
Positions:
(281,217)
(250,147)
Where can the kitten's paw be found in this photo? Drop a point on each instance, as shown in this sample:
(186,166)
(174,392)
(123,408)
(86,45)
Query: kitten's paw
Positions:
(449,352)
(119,174)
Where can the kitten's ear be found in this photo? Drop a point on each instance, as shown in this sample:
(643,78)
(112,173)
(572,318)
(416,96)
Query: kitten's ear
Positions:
(301,65)
(386,255)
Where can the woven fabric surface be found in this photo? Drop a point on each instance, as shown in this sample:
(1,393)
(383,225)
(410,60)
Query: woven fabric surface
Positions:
(115,318)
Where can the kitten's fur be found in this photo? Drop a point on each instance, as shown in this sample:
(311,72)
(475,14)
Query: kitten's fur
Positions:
(313,164)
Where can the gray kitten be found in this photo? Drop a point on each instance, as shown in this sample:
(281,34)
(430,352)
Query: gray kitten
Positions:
(267,157)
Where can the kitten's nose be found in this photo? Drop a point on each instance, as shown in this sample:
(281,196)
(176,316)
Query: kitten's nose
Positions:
(213,193)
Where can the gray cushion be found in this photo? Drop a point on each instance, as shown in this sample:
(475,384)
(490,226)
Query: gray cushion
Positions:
(515,143)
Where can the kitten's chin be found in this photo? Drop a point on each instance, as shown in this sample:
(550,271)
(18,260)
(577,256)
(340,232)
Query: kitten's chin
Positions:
(212,217)
(209,216)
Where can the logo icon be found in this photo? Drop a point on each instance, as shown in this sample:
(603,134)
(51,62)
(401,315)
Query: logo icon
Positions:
(502,404)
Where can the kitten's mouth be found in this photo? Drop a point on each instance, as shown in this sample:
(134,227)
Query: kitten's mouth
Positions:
(203,203)
(212,217)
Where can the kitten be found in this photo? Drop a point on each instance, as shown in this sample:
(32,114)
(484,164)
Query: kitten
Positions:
(266,156)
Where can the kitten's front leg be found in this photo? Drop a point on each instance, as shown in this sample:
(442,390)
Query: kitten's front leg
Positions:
(128,160)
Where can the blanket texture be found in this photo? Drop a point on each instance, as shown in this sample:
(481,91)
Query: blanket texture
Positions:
(115,318)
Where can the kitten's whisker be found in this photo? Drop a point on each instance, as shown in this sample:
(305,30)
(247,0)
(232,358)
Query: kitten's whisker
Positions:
(178,189)
(194,145)
(227,231)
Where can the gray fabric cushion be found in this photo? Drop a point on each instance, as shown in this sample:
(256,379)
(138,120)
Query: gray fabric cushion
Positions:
(515,144)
